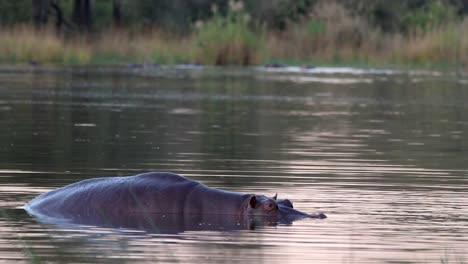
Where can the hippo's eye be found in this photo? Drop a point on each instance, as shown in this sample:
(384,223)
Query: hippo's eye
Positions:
(270,206)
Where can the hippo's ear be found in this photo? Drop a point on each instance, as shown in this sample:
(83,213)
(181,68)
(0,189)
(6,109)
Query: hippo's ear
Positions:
(252,201)
(276,196)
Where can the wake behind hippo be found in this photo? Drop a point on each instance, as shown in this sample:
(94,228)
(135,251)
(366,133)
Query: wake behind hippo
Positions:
(160,201)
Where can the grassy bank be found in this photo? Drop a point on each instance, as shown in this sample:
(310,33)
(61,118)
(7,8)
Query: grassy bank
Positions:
(329,35)
(333,35)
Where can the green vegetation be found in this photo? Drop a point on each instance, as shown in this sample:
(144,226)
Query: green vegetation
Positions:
(433,15)
(228,39)
(423,32)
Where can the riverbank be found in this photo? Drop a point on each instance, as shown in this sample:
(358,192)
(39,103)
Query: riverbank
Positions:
(233,40)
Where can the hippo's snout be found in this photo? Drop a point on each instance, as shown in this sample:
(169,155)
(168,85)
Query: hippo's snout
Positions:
(288,214)
(318,215)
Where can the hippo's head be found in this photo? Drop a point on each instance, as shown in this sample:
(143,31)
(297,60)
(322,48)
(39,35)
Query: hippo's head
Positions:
(278,211)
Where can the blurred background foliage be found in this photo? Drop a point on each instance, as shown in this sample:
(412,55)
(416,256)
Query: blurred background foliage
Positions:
(240,32)
(181,15)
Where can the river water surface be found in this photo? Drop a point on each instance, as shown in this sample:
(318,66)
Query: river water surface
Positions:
(384,153)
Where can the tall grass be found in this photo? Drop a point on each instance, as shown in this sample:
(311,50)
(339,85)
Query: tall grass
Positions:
(23,44)
(149,47)
(444,45)
(329,35)
(332,34)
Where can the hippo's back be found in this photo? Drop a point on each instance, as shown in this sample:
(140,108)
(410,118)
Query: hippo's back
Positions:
(109,197)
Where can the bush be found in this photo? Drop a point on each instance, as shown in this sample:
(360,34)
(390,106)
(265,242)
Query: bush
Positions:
(432,15)
(228,40)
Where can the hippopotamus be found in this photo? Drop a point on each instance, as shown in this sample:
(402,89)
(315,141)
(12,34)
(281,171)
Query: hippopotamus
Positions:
(162,201)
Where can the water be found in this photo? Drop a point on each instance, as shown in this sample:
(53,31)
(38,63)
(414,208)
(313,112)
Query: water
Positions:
(382,152)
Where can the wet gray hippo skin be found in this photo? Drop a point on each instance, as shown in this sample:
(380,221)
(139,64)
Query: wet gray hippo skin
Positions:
(161,199)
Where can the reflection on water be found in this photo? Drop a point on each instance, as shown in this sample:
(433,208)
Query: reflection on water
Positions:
(382,152)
